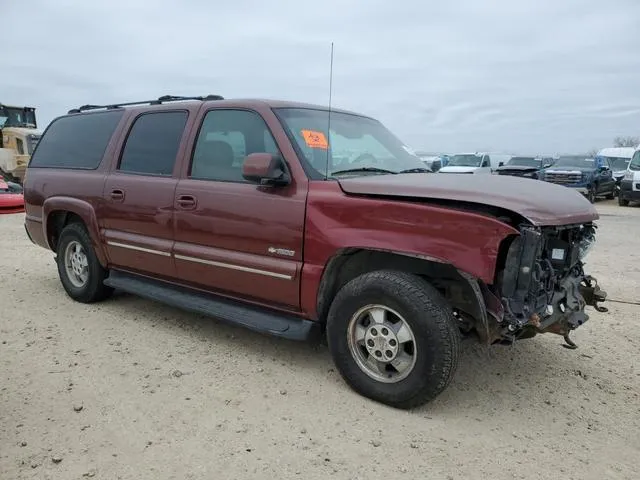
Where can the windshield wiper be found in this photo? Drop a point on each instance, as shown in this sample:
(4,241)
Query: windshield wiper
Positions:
(363,169)
(415,170)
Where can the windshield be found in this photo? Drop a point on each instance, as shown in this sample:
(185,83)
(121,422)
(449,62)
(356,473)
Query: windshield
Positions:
(525,162)
(465,160)
(634,164)
(355,143)
(17,117)
(575,161)
(617,163)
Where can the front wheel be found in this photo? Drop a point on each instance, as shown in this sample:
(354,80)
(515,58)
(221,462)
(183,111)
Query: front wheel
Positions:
(393,338)
(612,194)
(591,194)
(621,200)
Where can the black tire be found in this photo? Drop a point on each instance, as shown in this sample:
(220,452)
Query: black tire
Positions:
(591,194)
(94,289)
(621,201)
(434,327)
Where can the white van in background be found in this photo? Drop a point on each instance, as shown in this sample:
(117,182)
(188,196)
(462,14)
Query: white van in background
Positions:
(630,184)
(618,159)
(478,162)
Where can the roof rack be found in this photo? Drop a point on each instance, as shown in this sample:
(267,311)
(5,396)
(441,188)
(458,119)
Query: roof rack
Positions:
(158,101)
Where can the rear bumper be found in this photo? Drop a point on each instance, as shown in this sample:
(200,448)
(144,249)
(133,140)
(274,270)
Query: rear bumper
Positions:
(35,232)
(9,209)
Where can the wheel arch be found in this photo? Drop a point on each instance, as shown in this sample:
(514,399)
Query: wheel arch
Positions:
(463,291)
(59,212)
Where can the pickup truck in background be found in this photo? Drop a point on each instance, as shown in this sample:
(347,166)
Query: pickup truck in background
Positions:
(475,163)
(526,167)
(590,176)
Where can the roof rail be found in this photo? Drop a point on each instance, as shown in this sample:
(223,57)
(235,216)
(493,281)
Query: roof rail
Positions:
(158,101)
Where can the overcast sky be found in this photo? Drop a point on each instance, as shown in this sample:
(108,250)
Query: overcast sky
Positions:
(520,76)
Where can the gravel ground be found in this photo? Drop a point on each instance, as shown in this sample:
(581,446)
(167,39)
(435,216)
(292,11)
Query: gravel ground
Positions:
(130,389)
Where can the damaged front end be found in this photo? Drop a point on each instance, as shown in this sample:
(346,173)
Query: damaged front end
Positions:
(542,286)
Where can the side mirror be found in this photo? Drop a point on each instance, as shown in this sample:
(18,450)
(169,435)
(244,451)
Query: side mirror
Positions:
(501,164)
(603,168)
(265,169)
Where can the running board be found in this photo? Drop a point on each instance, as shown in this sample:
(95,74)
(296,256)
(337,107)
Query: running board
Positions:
(248,316)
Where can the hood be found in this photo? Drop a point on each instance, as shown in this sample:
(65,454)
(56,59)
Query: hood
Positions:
(541,203)
(453,169)
(517,168)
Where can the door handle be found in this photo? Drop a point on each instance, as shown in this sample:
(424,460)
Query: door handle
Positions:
(187,201)
(117,194)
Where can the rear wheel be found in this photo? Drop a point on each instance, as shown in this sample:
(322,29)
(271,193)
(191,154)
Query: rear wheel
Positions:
(393,338)
(80,271)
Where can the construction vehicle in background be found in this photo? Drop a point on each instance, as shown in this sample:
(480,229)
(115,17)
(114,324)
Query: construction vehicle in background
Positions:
(19,135)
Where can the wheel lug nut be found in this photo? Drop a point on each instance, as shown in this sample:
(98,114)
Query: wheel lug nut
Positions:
(384,331)
(392,342)
(374,332)
(370,343)
(388,353)
(378,353)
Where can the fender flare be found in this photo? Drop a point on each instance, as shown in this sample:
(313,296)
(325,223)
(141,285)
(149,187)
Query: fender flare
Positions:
(82,209)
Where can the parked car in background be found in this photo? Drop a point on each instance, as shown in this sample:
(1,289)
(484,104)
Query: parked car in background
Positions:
(630,184)
(618,158)
(432,161)
(11,198)
(475,162)
(590,176)
(527,167)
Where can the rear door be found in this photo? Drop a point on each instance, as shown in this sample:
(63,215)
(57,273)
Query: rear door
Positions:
(136,215)
(234,237)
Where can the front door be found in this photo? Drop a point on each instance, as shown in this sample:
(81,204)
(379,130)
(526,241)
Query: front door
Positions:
(605,180)
(235,237)
(137,210)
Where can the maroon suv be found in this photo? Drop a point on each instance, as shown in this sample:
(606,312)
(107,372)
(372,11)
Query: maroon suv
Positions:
(252,212)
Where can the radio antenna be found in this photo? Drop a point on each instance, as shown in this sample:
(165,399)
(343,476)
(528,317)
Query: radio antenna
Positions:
(326,175)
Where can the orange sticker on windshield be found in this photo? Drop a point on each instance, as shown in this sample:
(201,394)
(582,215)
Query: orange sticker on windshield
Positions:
(315,139)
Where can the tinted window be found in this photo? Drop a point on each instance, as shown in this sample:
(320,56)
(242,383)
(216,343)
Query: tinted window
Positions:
(76,141)
(153,142)
(225,139)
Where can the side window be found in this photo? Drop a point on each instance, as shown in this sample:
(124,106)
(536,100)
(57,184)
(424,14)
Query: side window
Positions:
(76,141)
(486,161)
(226,137)
(152,145)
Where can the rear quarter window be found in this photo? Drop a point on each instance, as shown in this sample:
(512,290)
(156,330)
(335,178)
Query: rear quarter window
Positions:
(76,141)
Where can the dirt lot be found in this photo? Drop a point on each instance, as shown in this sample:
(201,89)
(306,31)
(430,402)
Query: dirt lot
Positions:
(130,389)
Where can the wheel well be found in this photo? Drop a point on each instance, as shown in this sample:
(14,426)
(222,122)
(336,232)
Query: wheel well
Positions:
(352,263)
(56,221)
